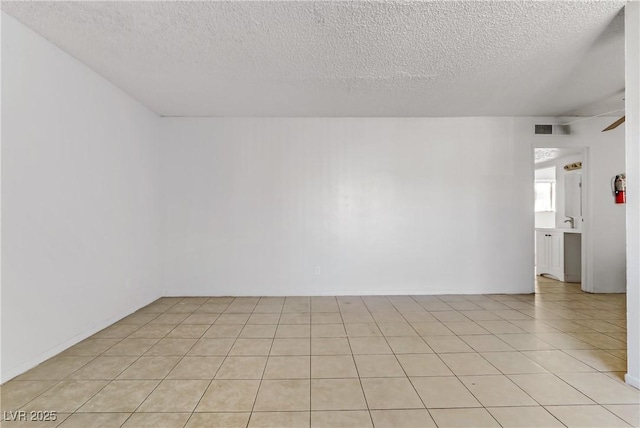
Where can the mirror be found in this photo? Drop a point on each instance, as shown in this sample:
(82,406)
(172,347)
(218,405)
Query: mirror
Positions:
(573,194)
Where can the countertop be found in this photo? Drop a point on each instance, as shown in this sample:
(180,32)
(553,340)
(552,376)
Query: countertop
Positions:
(558,229)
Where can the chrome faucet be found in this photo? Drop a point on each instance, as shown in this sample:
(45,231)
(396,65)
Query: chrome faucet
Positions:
(572,221)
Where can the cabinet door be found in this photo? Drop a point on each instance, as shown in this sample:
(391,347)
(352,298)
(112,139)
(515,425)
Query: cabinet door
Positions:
(556,254)
(542,253)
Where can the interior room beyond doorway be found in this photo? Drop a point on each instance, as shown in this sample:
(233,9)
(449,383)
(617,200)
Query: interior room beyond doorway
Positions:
(559,213)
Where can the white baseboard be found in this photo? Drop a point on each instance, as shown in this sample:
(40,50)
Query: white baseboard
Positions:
(631,380)
(275,292)
(9,374)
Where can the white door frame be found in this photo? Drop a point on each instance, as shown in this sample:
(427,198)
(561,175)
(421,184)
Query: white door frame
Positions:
(587,212)
(586,257)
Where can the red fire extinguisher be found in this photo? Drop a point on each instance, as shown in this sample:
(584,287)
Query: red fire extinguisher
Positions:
(619,185)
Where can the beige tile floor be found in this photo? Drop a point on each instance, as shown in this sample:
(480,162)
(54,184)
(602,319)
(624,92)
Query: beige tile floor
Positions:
(551,359)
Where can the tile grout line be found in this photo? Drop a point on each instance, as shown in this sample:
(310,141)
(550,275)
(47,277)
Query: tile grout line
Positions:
(353,358)
(145,353)
(217,370)
(255,400)
(109,381)
(396,356)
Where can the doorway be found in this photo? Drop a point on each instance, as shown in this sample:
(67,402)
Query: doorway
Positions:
(561,219)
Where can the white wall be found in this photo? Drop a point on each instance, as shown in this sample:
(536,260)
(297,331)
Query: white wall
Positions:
(255,205)
(632,127)
(378,205)
(79,201)
(1,318)
(605,157)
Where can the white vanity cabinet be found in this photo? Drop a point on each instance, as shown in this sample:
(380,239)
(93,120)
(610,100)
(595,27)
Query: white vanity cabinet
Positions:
(549,248)
(558,254)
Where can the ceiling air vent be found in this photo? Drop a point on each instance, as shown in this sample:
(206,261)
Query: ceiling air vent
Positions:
(552,129)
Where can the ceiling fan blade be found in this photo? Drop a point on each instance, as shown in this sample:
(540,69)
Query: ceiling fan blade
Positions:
(615,124)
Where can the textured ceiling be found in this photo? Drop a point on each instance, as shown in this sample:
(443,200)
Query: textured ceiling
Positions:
(326,58)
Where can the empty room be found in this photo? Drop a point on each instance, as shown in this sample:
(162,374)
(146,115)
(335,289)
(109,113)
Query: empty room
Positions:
(320,214)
